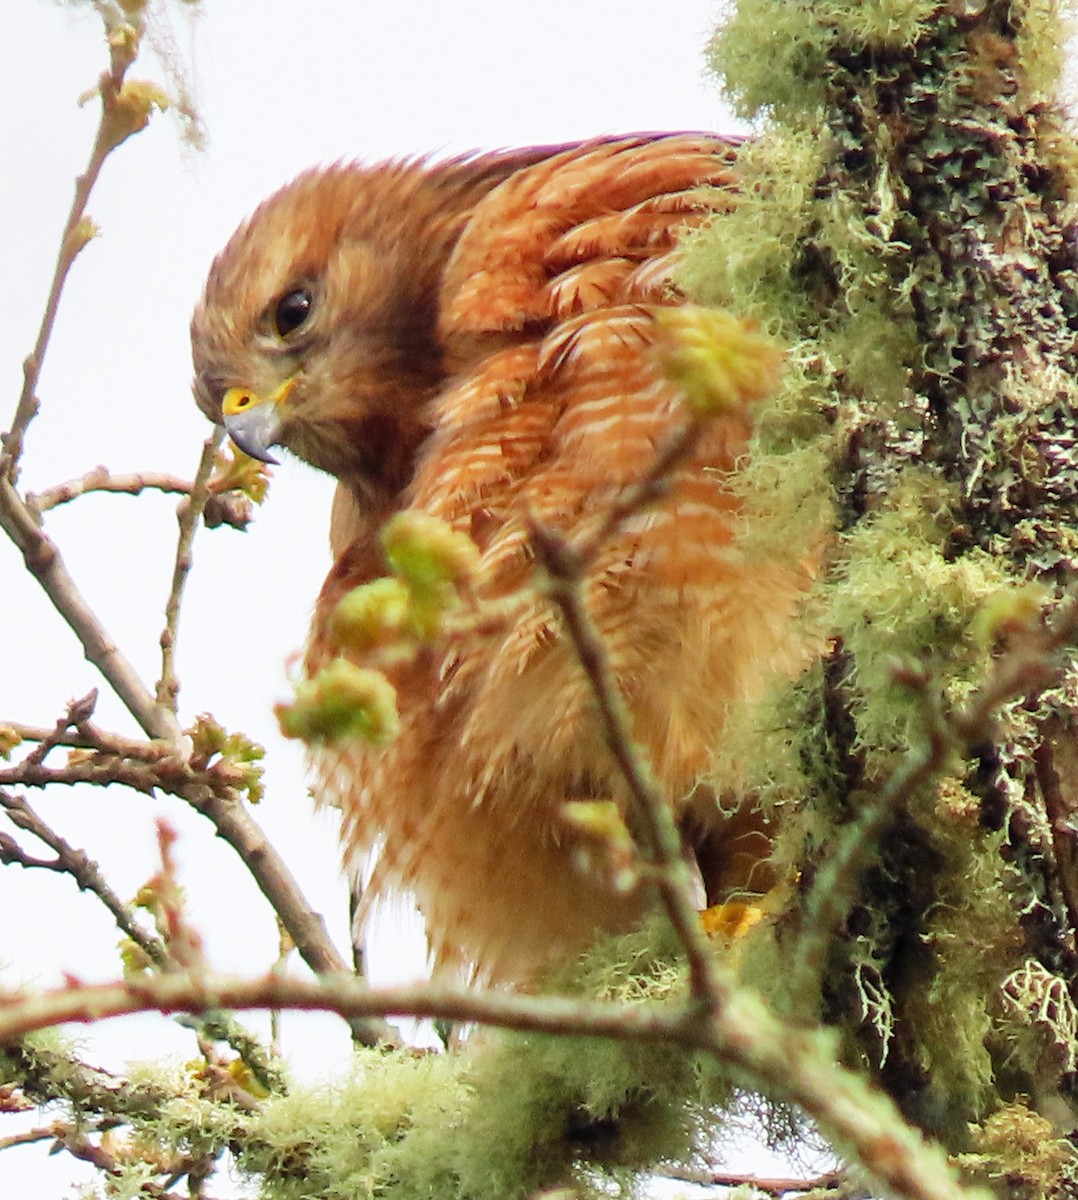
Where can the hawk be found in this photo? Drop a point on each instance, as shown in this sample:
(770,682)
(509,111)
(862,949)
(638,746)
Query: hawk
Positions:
(473,339)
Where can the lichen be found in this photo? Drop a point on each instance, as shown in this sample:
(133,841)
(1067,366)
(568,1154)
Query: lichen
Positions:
(906,226)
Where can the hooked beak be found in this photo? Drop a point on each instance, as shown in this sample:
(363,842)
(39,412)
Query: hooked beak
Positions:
(254,422)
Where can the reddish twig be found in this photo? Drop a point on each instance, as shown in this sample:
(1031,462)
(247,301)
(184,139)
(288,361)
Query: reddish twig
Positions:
(76,863)
(101,479)
(168,686)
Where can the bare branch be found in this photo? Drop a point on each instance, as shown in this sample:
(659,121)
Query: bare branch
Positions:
(224,506)
(829,1181)
(795,1064)
(77,232)
(101,479)
(43,1133)
(663,847)
(43,561)
(565,565)
(168,686)
(77,1144)
(78,864)
(212,792)
(90,737)
(78,711)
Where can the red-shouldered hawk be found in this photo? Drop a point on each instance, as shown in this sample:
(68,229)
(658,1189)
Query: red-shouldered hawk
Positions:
(472,339)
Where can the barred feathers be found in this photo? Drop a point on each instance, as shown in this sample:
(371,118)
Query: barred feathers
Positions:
(540,397)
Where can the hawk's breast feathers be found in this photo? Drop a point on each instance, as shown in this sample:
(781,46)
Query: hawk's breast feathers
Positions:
(479,347)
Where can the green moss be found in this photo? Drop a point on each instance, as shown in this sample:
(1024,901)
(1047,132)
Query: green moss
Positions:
(778,56)
(746,258)
(503,1116)
(1020,1149)
(1045,30)
(879,24)
(769,56)
(972,934)
(897,597)
(906,227)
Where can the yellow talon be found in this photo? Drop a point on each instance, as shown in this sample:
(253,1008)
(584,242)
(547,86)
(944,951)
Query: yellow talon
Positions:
(730,920)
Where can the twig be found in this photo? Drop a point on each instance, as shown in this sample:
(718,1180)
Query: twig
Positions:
(210,791)
(78,1145)
(793,1063)
(80,867)
(87,874)
(92,738)
(168,686)
(565,564)
(43,561)
(1060,810)
(78,712)
(663,843)
(772,1186)
(43,1133)
(1027,665)
(19,522)
(72,240)
(652,485)
(101,479)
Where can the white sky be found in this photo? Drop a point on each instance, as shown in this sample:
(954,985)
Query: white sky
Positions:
(281,85)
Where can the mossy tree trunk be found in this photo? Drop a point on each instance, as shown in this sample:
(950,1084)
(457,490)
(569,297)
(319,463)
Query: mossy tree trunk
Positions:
(908,230)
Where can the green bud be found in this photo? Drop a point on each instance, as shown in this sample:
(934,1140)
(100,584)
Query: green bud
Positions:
(722,364)
(427,552)
(374,616)
(342,701)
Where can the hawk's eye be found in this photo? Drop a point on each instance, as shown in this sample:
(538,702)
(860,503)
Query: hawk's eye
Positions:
(292,310)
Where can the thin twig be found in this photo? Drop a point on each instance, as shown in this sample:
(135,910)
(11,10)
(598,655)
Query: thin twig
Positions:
(829,1181)
(78,864)
(19,522)
(87,874)
(43,1133)
(168,686)
(1029,664)
(79,1146)
(1060,809)
(101,479)
(211,792)
(651,486)
(43,561)
(565,564)
(72,240)
(663,842)
(78,712)
(93,738)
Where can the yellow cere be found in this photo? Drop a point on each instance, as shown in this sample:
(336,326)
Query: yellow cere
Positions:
(240,399)
(236,400)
